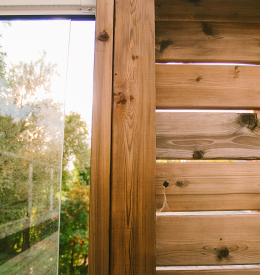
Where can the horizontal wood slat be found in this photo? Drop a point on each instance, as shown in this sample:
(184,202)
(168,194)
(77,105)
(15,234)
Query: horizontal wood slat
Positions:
(207,42)
(207,87)
(207,136)
(243,271)
(207,239)
(208,186)
(208,10)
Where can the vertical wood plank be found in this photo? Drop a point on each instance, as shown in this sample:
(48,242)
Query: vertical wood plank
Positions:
(133,143)
(101,140)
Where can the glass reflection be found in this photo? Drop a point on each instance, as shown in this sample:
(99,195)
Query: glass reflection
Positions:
(74,217)
(31,139)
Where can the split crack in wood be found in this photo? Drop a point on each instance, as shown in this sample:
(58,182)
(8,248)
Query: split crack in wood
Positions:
(165,204)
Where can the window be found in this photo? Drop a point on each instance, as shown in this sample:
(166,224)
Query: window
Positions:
(34,78)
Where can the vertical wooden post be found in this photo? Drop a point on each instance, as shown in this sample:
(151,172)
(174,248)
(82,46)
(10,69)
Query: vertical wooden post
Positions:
(101,140)
(133,140)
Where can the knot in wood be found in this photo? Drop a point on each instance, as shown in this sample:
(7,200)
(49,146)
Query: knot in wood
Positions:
(164,44)
(119,98)
(207,28)
(179,183)
(249,120)
(198,79)
(103,36)
(223,253)
(198,154)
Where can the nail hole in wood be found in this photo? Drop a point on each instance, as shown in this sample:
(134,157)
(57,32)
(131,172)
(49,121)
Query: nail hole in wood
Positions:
(166,184)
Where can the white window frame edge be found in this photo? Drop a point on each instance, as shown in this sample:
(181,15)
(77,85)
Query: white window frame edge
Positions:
(47,7)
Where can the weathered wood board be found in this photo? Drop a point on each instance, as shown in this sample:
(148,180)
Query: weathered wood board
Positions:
(208,10)
(208,186)
(207,239)
(132,225)
(190,86)
(201,135)
(207,42)
(197,271)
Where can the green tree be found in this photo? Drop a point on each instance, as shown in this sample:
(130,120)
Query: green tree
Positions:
(76,152)
(74,232)
(74,219)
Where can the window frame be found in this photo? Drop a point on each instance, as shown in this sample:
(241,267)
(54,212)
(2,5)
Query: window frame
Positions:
(47,7)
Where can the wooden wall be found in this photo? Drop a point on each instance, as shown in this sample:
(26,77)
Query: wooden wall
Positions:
(135,41)
(207,212)
(122,206)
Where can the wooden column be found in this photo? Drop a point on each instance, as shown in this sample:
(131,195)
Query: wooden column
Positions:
(101,140)
(133,140)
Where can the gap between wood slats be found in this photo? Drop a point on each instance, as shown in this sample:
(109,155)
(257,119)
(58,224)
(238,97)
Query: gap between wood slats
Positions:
(187,86)
(192,186)
(208,10)
(185,41)
(207,136)
(207,239)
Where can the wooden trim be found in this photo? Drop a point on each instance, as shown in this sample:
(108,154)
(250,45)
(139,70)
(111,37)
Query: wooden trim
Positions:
(101,141)
(207,87)
(133,145)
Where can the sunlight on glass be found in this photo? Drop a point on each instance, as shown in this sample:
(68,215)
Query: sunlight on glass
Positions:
(40,146)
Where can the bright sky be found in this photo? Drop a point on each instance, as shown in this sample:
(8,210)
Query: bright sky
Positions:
(26,41)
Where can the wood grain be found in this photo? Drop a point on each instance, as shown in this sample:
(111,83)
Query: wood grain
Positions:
(207,87)
(207,42)
(208,10)
(208,186)
(242,271)
(134,144)
(207,239)
(101,141)
(207,136)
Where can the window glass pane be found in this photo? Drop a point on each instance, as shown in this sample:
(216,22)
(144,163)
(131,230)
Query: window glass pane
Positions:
(74,224)
(32,92)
